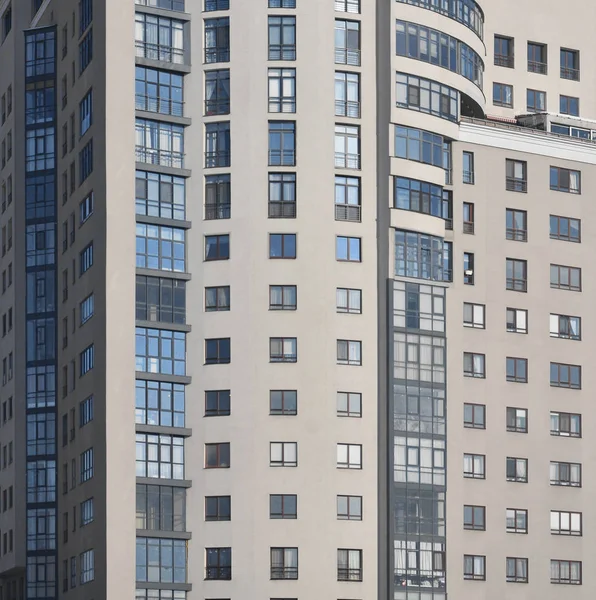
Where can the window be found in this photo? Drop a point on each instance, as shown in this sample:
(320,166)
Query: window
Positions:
(566,571)
(159,456)
(475,517)
(160,351)
(284,563)
(565,180)
(86,360)
(349,300)
(517,420)
(159,143)
(211,5)
(283,402)
(86,259)
(217,247)
(504,51)
(217,40)
(474,466)
(349,352)
(537,58)
(217,351)
(86,113)
(349,565)
(282,143)
(349,456)
(159,91)
(87,561)
(516,175)
(503,95)
(565,424)
(86,162)
(283,506)
(516,274)
(217,508)
(516,520)
(282,297)
(217,92)
(218,563)
(217,298)
(347,199)
(565,278)
(535,101)
(159,403)
(565,229)
(347,42)
(516,225)
(420,146)
(418,196)
(517,320)
(475,416)
(349,404)
(86,464)
(87,513)
(569,64)
(159,195)
(282,90)
(474,365)
(86,51)
(351,6)
(217,197)
(569,105)
(565,327)
(562,375)
(217,456)
(517,570)
(86,208)
(282,245)
(565,523)
(160,508)
(282,38)
(421,256)
(468,268)
(565,474)
(283,454)
(217,145)
(160,299)
(347,94)
(283,350)
(468,167)
(349,508)
(474,315)
(86,411)
(282,195)
(468,217)
(517,370)
(427,96)
(282,4)
(6,22)
(348,249)
(161,248)
(347,147)
(474,567)
(517,469)
(161,560)
(217,403)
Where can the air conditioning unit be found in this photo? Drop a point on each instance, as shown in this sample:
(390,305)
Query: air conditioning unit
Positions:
(468,272)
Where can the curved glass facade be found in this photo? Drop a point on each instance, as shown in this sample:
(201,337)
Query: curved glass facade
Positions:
(427,96)
(418,196)
(437,48)
(466,12)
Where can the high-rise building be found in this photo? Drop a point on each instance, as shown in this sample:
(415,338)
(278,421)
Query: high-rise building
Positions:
(275,315)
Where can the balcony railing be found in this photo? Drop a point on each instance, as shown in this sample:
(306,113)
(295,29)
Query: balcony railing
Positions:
(516,185)
(569,73)
(284,572)
(165,158)
(282,52)
(468,227)
(159,52)
(159,105)
(177,5)
(282,105)
(537,67)
(347,56)
(347,108)
(282,158)
(217,5)
(449,224)
(504,60)
(217,159)
(349,574)
(517,285)
(350,6)
(517,235)
(218,573)
(217,107)
(282,210)
(347,212)
(469,177)
(218,211)
(345,160)
(215,55)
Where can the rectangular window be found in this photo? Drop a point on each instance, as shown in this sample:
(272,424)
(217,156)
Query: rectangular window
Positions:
(159,247)
(86,308)
(283,506)
(86,411)
(474,466)
(217,145)
(349,456)
(283,350)
(87,512)
(347,94)
(347,42)
(282,245)
(217,403)
(474,365)
(517,320)
(86,51)
(86,113)
(217,456)
(475,517)
(517,469)
(422,146)
(282,297)
(517,420)
(283,402)
(217,298)
(348,249)
(283,454)
(419,196)
(218,563)
(565,278)
(217,247)
(427,96)
(565,229)
(569,64)
(160,351)
(160,299)
(217,92)
(282,195)
(218,351)
(349,565)
(284,563)
(565,523)
(537,58)
(211,5)
(349,508)
(159,143)
(517,370)
(282,90)
(516,225)
(565,180)
(159,403)
(351,6)
(349,300)
(503,95)
(569,105)
(159,456)
(86,465)
(86,161)
(565,327)
(349,404)
(282,4)
(348,199)
(161,560)
(347,147)
(468,217)
(568,572)
(517,570)
(86,360)
(468,268)
(468,167)
(218,197)
(282,38)
(282,143)
(517,275)
(217,40)
(475,416)
(159,195)
(349,352)
(85,208)
(474,567)
(87,562)
(516,520)
(565,424)
(159,91)
(516,175)
(535,101)
(504,56)
(565,474)
(217,508)
(474,315)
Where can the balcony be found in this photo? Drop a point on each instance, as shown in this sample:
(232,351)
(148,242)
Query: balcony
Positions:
(165,158)
(537,67)
(347,212)
(159,52)
(282,210)
(162,106)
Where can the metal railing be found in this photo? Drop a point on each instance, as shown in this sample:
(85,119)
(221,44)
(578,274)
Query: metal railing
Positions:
(516,185)
(347,212)
(159,52)
(537,67)
(347,56)
(504,60)
(517,285)
(344,574)
(218,211)
(282,105)
(469,177)
(517,235)
(284,572)
(165,158)
(218,573)
(282,52)
(344,160)
(282,158)
(350,6)
(347,108)
(468,227)
(217,159)
(217,107)
(159,105)
(215,55)
(282,210)
(449,224)
(177,5)
(569,73)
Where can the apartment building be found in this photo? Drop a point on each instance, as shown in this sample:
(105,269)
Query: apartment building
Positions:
(339,344)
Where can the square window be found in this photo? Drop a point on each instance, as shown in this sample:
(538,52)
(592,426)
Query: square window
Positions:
(517,420)
(349,352)
(283,506)
(517,469)
(348,249)
(474,567)
(217,508)
(474,315)
(217,247)
(283,350)
(349,404)
(474,365)
(349,456)
(217,403)
(282,245)
(475,517)
(517,370)
(283,402)
(516,520)
(349,508)
(217,351)
(474,466)
(475,416)
(217,456)
(283,454)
